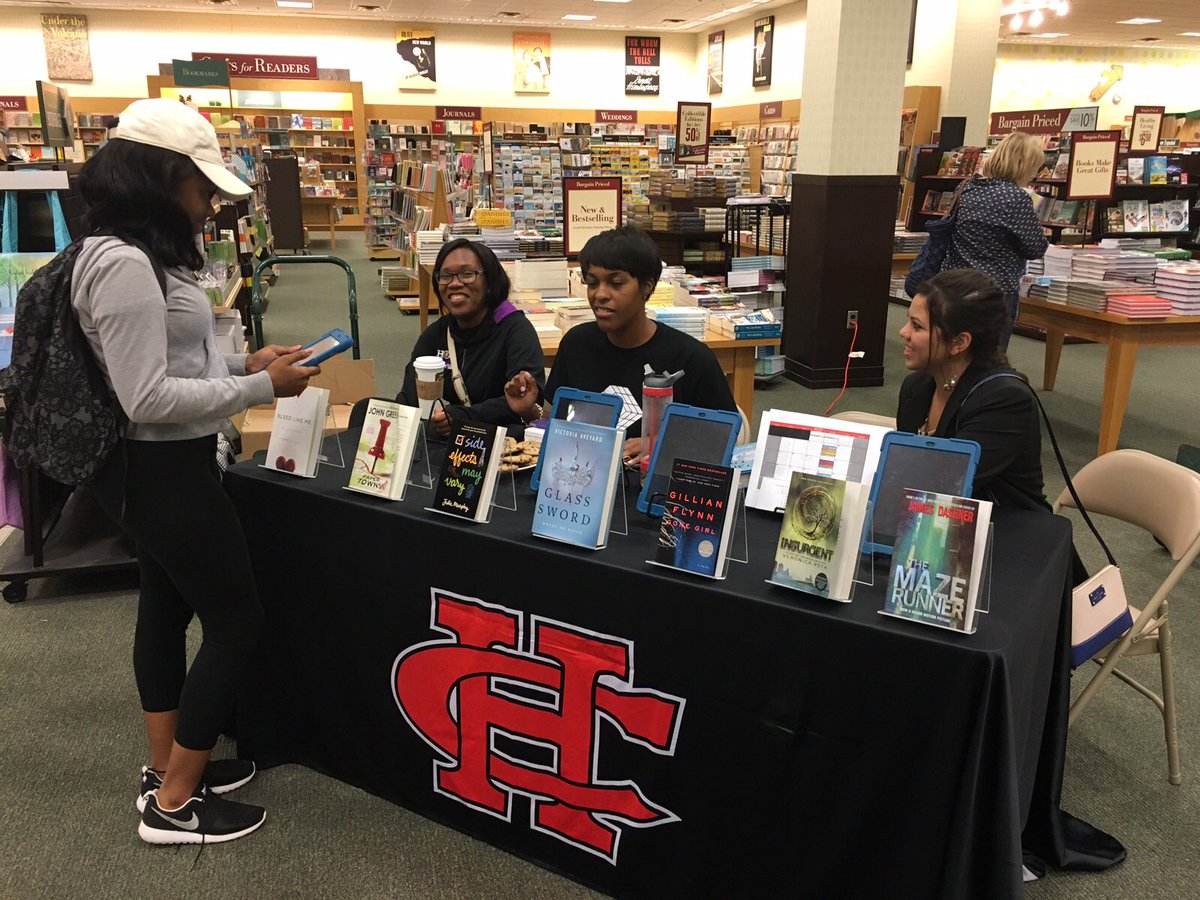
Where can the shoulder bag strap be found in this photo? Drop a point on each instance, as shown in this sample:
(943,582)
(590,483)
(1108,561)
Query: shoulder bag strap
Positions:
(1057,452)
(460,386)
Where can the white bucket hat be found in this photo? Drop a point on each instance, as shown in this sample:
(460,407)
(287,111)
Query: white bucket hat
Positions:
(166,123)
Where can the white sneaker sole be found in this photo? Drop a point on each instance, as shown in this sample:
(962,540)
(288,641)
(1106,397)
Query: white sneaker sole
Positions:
(165,836)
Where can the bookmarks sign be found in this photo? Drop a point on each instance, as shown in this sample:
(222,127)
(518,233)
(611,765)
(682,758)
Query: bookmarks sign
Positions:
(68,54)
(764,45)
(716,62)
(531,62)
(642,64)
(691,129)
(1093,169)
(1146,129)
(417,49)
(590,206)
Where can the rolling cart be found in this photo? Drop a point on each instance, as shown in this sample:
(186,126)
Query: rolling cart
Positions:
(256,292)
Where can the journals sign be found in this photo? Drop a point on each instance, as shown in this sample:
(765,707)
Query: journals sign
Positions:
(461,113)
(253,66)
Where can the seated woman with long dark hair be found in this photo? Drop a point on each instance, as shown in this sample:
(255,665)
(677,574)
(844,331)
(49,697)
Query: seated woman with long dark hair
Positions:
(483,340)
(952,346)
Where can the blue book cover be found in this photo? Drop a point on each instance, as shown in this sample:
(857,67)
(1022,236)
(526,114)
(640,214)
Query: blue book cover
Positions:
(574,501)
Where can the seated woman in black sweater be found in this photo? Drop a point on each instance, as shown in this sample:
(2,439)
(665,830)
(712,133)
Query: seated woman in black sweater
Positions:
(621,268)
(479,334)
(952,346)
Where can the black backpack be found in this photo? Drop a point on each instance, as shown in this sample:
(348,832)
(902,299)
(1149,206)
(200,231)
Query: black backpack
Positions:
(60,414)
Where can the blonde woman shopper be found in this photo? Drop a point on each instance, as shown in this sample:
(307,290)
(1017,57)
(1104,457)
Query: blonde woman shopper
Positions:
(996,228)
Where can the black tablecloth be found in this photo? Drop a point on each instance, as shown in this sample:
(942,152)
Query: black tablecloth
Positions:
(809,747)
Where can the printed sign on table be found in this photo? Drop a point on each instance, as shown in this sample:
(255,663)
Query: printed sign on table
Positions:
(691,128)
(590,206)
(1093,170)
(417,49)
(1146,129)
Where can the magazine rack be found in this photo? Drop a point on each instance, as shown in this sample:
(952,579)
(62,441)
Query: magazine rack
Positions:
(739,528)
(983,600)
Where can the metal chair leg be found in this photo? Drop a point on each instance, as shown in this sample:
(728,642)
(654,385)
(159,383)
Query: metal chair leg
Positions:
(1170,716)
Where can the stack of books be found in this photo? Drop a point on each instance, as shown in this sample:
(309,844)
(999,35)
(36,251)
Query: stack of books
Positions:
(1179,282)
(1056,291)
(909,241)
(428,245)
(1057,261)
(713,217)
(1139,306)
(688,319)
(501,241)
(547,276)
(1094,295)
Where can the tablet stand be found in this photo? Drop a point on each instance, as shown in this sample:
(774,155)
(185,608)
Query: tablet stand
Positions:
(983,599)
(739,526)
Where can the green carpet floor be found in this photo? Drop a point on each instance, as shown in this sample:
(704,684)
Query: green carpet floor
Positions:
(71,739)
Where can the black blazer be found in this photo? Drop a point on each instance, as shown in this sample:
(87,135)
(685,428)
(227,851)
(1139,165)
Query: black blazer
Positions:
(1002,417)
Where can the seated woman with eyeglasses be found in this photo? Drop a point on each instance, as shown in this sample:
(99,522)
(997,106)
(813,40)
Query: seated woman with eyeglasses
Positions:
(483,339)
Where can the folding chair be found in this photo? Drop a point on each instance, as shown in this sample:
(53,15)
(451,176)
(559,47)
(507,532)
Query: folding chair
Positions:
(866,418)
(1163,498)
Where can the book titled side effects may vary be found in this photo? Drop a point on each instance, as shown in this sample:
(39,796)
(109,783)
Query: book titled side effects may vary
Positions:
(468,480)
(575,495)
(385,449)
(937,564)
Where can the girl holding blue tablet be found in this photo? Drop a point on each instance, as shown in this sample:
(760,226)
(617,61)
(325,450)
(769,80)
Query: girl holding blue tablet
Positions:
(962,386)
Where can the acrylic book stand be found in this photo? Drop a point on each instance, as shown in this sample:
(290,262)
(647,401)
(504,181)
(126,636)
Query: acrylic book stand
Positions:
(739,528)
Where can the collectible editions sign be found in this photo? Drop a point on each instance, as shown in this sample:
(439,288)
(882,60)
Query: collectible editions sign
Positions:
(590,206)
(1146,128)
(764,43)
(691,128)
(716,62)
(1093,170)
(68,54)
(642,65)
(531,62)
(253,66)
(417,49)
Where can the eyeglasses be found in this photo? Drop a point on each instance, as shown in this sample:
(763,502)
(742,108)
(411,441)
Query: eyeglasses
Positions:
(467,277)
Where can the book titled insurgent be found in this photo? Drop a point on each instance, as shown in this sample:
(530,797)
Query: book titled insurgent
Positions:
(695,530)
(938,559)
(385,449)
(820,536)
(575,493)
(468,480)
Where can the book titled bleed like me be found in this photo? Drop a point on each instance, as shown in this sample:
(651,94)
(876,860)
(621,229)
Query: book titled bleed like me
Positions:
(580,463)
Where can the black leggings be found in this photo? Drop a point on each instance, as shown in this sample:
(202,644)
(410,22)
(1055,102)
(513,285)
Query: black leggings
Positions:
(193,560)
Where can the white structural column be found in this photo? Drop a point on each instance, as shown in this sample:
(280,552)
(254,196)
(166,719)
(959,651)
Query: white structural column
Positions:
(845,188)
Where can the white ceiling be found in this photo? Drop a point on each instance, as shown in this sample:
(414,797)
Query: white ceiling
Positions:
(1093,23)
(650,15)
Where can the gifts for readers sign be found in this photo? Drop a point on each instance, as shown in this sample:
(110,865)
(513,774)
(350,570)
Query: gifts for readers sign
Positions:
(590,206)
(642,65)
(254,66)
(1146,129)
(1045,121)
(691,129)
(1093,171)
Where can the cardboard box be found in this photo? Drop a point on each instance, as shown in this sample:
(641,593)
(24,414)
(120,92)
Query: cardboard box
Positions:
(348,381)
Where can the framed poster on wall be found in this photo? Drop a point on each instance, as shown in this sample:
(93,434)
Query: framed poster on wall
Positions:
(1146,129)
(716,62)
(68,52)
(764,44)
(1093,170)
(642,72)
(417,49)
(590,206)
(691,130)
(531,62)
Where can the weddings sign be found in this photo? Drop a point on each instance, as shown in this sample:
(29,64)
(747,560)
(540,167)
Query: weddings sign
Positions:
(1093,171)
(642,65)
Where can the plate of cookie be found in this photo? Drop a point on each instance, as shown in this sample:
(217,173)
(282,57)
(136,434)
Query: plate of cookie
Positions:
(519,456)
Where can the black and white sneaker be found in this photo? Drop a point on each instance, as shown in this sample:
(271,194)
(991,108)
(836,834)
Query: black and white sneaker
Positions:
(202,820)
(220,777)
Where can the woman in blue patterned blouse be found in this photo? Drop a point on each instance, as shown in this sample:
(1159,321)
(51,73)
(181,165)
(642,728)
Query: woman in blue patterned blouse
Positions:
(996,228)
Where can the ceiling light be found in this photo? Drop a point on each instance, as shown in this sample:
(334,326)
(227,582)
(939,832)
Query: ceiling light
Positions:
(1035,18)
(574,18)
(1139,21)
(1049,35)
(294,4)
(1016,22)
(1063,7)
(613,1)
(1189,34)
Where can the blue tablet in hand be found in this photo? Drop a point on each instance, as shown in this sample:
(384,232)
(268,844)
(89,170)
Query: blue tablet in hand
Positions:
(330,344)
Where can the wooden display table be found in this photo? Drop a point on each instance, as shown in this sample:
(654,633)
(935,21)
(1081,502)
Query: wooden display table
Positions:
(321,213)
(1124,337)
(736,359)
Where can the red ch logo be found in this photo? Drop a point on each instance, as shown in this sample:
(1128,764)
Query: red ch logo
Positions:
(462,692)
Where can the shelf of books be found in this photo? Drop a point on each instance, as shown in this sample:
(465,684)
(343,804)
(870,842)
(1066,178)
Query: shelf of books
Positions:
(727,161)
(381,226)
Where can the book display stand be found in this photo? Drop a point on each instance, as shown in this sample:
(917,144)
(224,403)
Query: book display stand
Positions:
(322,457)
(864,570)
(983,601)
(743,547)
(612,523)
(419,475)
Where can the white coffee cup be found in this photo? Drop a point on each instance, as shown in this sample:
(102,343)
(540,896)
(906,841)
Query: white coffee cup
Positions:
(430,372)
